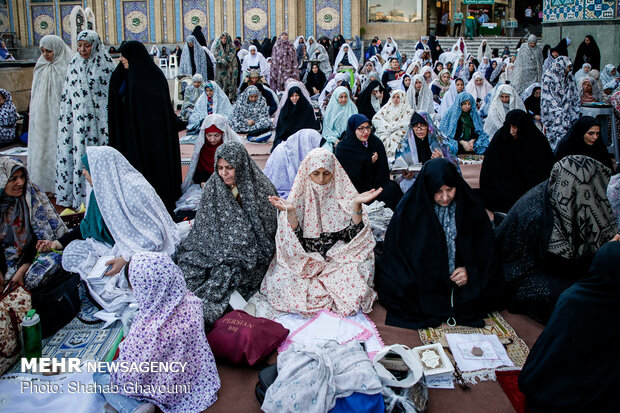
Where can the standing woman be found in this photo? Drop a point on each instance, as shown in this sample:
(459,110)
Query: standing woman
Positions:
(143,123)
(8,118)
(194,60)
(227,68)
(83,116)
(559,100)
(588,52)
(47,83)
(283,64)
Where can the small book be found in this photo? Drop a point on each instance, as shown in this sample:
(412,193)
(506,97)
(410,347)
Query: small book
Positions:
(433,359)
(100,268)
(400,167)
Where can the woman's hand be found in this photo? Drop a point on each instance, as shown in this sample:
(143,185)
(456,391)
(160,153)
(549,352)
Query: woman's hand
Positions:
(47,246)
(282,204)
(375,156)
(19,275)
(468,146)
(117,265)
(537,117)
(250,122)
(459,276)
(365,197)
(615,238)
(436,154)
(408,175)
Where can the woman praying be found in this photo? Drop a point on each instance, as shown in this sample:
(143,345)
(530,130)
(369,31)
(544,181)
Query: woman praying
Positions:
(251,114)
(296,114)
(419,95)
(463,124)
(339,109)
(212,101)
(392,120)
(584,138)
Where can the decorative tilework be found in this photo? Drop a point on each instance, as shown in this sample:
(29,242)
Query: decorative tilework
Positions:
(272,17)
(194,13)
(309,18)
(569,10)
(328,18)
(238,12)
(135,21)
(5,22)
(255,20)
(211,19)
(65,14)
(43,21)
(346,22)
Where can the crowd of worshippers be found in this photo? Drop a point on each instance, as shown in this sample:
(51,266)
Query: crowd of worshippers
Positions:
(346,135)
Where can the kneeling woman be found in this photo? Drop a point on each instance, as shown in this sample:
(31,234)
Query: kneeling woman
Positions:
(439,260)
(251,114)
(124,216)
(324,248)
(167,328)
(463,124)
(28,220)
(232,241)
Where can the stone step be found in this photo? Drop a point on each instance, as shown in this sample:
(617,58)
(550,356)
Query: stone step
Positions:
(408,46)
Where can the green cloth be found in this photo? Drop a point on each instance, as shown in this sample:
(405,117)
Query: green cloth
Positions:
(468,126)
(93,225)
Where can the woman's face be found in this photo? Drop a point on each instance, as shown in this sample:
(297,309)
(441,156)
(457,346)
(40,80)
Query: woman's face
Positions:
(253,80)
(586,69)
(586,86)
(592,135)
(445,195)
(223,39)
(466,106)
(478,81)
(396,99)
(504,97)
(394,64)
(84,48)
(343,98)
(16,183)
(587,40)
(253,98)
(537,93)
(294,98)
(124,61)
(2,99)
(253,52)
(420,130)
(47,54)
(213,138)
(418,85)
(514,131)
(197,84)
(369,66)
(321,176)
(460,86)
(472,67)
(613,71)
(87,176)
(363,131)
(427,75)
(445,77)
(494,64)
(226,171)
(315,69)
(209,92)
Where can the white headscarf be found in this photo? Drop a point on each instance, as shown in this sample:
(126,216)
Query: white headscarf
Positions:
(448,99)
(221,105)
(498,111)
(391,122)
(256,60)
(390,49)
(350,56)
(296,42)
(486,53)
(431,71)
(478,92)
(200,58)
(424,100)
(47,87)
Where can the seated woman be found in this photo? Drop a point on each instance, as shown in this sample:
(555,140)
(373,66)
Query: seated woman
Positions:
(531,100)
(518,158)
(553,378)
(8,118)
(284,161)
(250,114)
(254,79)
(232,240)
(371,99)
(584,138)
(362,155)
(168,328)
(124,216)
(324,247)
(392,120)
(255,61)
(479,88)
(339,109)
(463,124)
(419,95)
(191,96)
(215,130)
(315,80)
(212,101)
(392,74)
(456,87)
(550,235)
(438,262)
(297,113)
(423,142)
(588,90)
(28,220)
(504,100)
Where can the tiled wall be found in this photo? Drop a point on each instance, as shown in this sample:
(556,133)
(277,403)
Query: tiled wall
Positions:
(570,10)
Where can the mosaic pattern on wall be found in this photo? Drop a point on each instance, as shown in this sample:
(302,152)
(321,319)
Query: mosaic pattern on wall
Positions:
(135,21)
(327,15)
(65,17)
(43,22)
(255,20)
(195,13)
(5,23)
(567,10)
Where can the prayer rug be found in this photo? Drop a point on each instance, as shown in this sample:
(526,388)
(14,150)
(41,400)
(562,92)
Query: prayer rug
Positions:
(495,324)
(470,159)
(83,341)
(188,139)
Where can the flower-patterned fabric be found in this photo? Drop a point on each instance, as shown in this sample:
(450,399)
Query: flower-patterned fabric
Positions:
(391,122)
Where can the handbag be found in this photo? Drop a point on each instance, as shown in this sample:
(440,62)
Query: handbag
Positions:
(245,340)
(57,302)
(266,377)
(15,302)
(44,266)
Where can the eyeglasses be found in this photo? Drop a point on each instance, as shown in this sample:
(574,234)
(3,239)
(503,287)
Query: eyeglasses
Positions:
(419,126)
(365,129)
